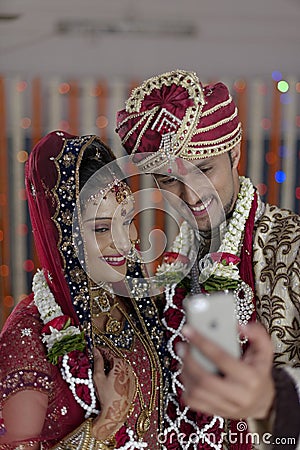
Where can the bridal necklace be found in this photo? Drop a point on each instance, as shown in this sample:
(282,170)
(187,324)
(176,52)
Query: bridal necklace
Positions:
(104,303)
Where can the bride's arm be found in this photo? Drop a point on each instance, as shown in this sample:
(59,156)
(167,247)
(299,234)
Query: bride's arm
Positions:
(24,416)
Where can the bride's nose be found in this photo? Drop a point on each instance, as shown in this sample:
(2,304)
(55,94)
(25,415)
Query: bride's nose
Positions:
(121,241)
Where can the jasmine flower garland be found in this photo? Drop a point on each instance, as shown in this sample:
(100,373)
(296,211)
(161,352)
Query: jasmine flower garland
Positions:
(219,271)
(63,340)
(60,331)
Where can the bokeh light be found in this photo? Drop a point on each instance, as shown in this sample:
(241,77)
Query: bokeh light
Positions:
(262,188)
(25,122)
(22,229)
(285,99)
(64,125)
(298,87)
(64,88)
(8,301)
(96,91)
(266,123)
(283,86)
(263,89)
(239,85)
(298,193)
(101,122)
(28,265)
(280,176)
(271,158)
(276,75)
(283,151)
(22,86)
(22,156)
(4,270)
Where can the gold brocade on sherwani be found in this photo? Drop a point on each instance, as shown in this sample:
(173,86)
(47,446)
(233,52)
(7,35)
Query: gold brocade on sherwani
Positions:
(276,262)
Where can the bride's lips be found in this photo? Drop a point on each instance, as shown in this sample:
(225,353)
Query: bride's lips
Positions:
(114,260)
(201,208)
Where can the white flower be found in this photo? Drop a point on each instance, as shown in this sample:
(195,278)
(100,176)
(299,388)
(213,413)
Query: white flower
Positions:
(229,271)
(44,299)
(56,335)
(232,241)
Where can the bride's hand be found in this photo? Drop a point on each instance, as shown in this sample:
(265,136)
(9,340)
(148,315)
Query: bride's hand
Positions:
(116,391)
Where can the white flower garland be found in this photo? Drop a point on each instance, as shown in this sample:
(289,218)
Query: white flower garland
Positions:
(49,310)
(231,243)
(44,299)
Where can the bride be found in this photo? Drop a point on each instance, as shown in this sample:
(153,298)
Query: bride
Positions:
(82,366)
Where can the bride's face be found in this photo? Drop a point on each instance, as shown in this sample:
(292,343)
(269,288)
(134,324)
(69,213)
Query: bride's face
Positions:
(108,227)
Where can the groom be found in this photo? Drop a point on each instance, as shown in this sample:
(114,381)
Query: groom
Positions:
(189,135)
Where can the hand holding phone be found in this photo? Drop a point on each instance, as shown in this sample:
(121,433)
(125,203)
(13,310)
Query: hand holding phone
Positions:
(214,316)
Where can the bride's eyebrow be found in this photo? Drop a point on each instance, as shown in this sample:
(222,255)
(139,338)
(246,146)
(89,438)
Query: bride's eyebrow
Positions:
(104,217)
(97,218)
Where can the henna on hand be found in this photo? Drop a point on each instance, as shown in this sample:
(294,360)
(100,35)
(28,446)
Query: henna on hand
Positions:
(122,381)
(116,391)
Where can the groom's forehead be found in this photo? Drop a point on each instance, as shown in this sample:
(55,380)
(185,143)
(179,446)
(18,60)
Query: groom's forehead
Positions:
(182,166)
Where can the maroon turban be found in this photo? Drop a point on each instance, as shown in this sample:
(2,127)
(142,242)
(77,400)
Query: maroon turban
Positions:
(174,115)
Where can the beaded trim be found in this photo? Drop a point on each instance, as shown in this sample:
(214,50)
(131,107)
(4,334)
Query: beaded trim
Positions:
(216,125)
(74,382)
(178,77)
(204,433)
(204,152)
(218,106)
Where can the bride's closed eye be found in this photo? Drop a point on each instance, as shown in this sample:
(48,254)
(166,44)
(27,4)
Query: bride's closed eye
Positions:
(101,228)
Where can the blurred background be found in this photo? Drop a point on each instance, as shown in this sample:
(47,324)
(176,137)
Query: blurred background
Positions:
(70,64)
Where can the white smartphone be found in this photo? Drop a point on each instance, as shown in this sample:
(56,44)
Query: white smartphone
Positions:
(214,316)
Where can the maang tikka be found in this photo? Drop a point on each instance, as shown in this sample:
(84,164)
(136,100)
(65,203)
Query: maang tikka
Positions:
(121,190)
